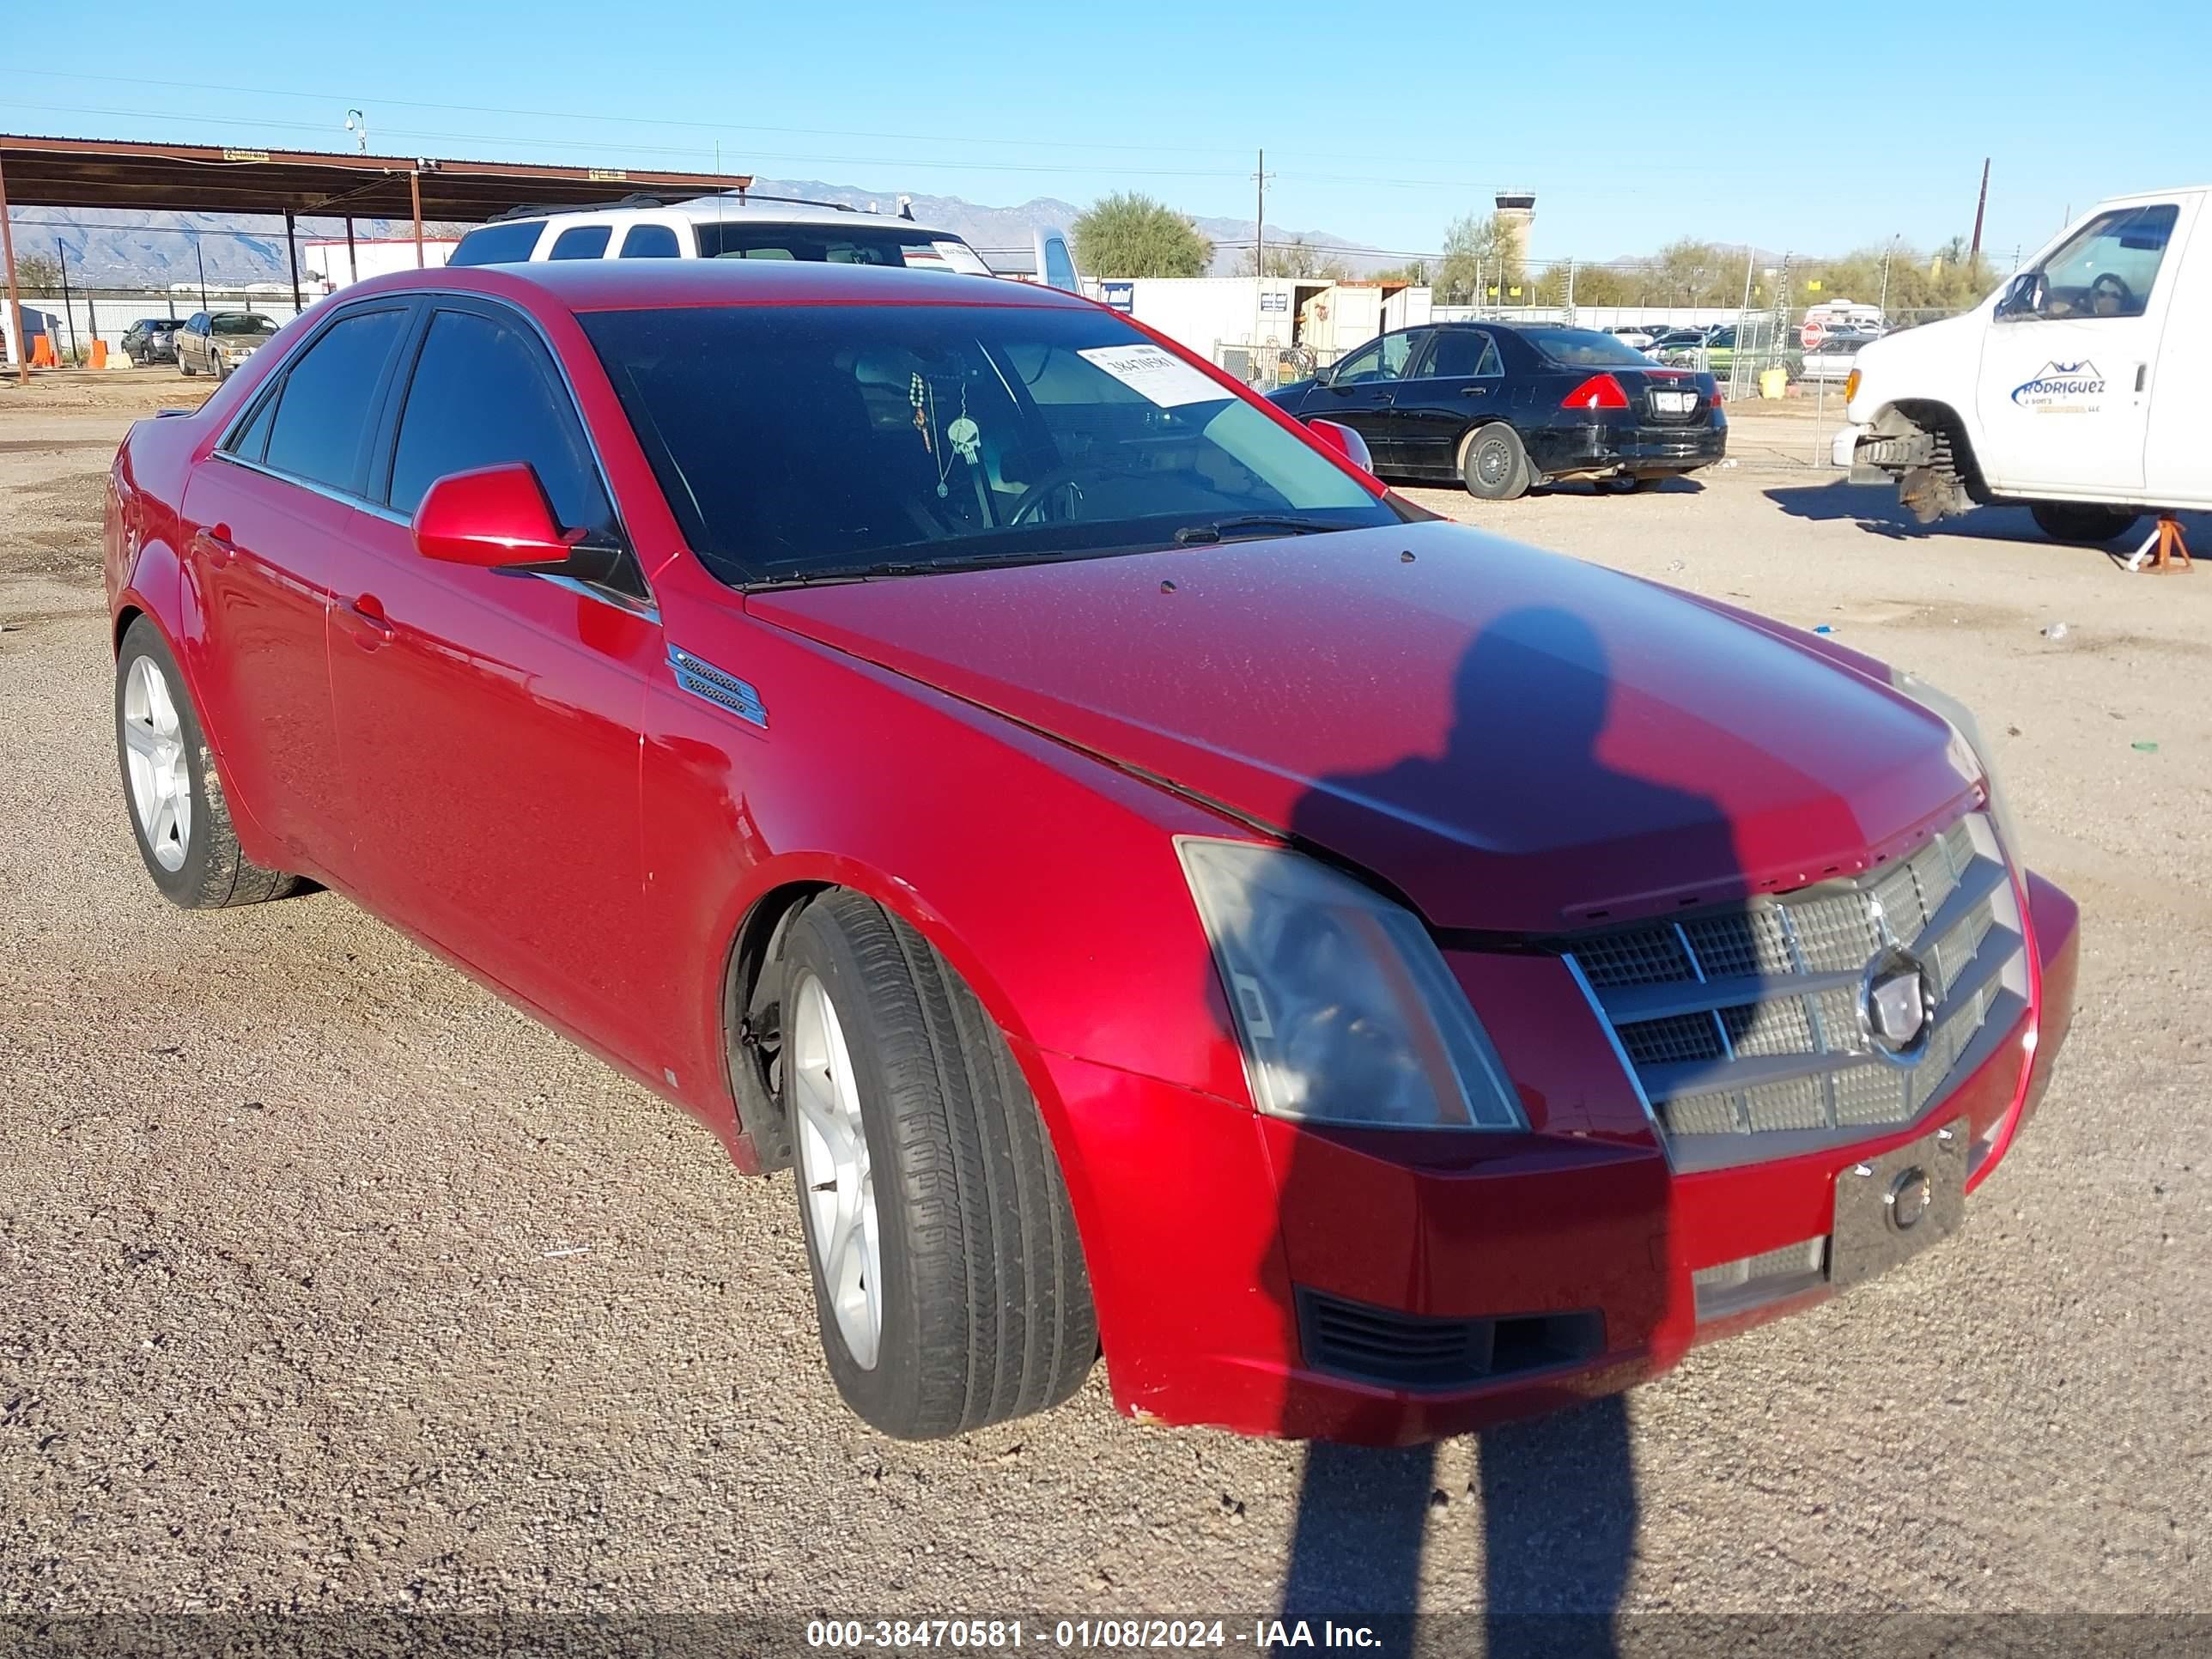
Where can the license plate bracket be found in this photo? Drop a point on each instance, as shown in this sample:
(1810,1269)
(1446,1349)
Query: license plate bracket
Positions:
(1891,1207)
(1673,403)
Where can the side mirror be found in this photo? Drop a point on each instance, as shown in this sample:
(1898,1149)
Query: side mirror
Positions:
(495,518)
(2023,295)
(1322,376)
(1347,443)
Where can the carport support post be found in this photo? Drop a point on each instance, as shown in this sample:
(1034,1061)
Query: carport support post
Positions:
(414,191)
(292,244)
(352,265)
(14,294)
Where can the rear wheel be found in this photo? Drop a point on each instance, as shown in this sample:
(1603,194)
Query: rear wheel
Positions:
(177,812)
(1494,465)
(947,1274)
(2083,521)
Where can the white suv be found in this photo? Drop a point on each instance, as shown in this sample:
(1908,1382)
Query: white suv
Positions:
(731,226)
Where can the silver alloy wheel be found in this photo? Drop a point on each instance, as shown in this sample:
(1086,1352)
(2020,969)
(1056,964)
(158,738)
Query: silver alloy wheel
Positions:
(839,1189)
(161,781)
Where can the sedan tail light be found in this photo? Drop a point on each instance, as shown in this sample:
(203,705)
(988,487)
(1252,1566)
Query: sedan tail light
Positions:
(1599,392)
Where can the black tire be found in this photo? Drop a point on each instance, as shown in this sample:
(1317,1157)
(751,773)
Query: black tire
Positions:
(2084,522)
(986,1307)
(1493,464)
(213,873)
(185,368)
(221,370)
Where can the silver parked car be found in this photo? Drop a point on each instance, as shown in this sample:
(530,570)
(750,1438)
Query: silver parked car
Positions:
(1833,358)
(214,343)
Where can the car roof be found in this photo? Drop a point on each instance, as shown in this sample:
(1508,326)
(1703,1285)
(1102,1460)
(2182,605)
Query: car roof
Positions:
(731,208)
(584,285)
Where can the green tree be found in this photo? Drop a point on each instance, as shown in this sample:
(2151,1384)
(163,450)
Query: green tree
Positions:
(1127,234)
(1688,272)
(1414,271)
(1487,245)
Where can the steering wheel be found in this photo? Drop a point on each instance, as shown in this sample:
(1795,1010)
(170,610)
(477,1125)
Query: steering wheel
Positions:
(1033,499)
(2108,284)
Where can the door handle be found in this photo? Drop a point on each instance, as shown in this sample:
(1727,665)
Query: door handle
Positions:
(1386,398)
(1473,391)
(364,619)
(2142,373)
(214,544)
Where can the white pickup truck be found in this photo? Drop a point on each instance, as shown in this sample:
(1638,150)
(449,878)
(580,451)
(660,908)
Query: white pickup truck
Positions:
(2082,388)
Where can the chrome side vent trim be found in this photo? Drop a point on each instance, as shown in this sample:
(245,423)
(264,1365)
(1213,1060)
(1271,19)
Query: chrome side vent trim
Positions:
(718,686)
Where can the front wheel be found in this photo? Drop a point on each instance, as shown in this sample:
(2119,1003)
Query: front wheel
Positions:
(1494,465)
(948,1277)
(2083,521)
(185,368)
(221,368)
(177,812)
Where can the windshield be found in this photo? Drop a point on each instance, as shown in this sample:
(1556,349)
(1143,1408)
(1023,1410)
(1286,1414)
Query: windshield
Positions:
(812,441)
(860,244)
(241,322)
(1584,348)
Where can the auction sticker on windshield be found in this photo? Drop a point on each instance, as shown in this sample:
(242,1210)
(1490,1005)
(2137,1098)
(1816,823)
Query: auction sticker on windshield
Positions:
(1160,376)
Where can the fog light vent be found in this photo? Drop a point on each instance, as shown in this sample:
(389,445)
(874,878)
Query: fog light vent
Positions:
(1732,1287)
(1411,1351)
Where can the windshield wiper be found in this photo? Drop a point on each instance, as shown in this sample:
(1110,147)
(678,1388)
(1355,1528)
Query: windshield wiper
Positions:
(889,568)
(1196,535)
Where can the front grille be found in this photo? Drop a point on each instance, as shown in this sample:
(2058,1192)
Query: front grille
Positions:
(1742,1026)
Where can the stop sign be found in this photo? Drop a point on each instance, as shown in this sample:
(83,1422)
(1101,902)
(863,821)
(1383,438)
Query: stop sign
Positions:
(1813,333)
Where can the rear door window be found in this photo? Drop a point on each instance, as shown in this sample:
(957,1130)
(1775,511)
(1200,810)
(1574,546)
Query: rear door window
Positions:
(1462,354)
(650,242)
(581,242)
(498,245)
(327,404)
(483,394)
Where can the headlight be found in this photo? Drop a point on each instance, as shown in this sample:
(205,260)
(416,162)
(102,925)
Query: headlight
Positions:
(1970,749)
(1346,1011)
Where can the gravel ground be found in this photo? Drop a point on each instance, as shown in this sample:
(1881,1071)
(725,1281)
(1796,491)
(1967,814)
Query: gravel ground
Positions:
(327,1282)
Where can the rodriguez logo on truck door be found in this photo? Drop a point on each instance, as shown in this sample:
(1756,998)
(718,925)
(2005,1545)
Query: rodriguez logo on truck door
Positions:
(2063,389)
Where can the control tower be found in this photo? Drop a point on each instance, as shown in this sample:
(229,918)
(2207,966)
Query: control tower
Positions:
(1516,218)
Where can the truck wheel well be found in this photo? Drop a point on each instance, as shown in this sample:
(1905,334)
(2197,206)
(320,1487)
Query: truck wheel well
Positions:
(752,1027)
(1940,419)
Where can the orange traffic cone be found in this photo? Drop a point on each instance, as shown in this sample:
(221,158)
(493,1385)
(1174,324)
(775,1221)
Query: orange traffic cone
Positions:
(42,352)
(100,354)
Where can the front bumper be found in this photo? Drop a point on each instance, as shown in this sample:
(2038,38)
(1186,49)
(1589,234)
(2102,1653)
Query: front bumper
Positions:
(1214,1235)
(1564,451)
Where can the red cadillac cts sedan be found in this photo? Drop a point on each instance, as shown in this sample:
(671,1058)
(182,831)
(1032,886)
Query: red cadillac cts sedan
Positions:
(1166,896)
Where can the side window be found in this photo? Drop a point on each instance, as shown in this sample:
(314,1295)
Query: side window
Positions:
(581,242)
(498,245)
(483,394)
(649,242)
(250,441)
(1059,269)
(1463,354)
(2107,267)
(1380,360)
(324,409)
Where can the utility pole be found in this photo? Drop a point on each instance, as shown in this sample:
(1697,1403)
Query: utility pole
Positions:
(1974,253)
(202,260)
(1883,306)
(1260,260)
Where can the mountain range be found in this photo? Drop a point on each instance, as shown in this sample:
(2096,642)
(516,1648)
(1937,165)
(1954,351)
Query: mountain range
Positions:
(155,249)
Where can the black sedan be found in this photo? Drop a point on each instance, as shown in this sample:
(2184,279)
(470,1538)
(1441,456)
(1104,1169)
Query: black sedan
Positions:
(151,340)
(1503,406)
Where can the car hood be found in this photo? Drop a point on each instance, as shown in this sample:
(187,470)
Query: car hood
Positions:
(1515,740)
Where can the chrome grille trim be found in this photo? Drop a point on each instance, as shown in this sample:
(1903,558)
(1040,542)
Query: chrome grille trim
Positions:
(1740,1025)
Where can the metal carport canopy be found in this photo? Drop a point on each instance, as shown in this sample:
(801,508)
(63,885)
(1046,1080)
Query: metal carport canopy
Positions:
(99,173)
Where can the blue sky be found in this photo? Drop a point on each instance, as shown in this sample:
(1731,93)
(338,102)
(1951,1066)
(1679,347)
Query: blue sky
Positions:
(1632,123)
